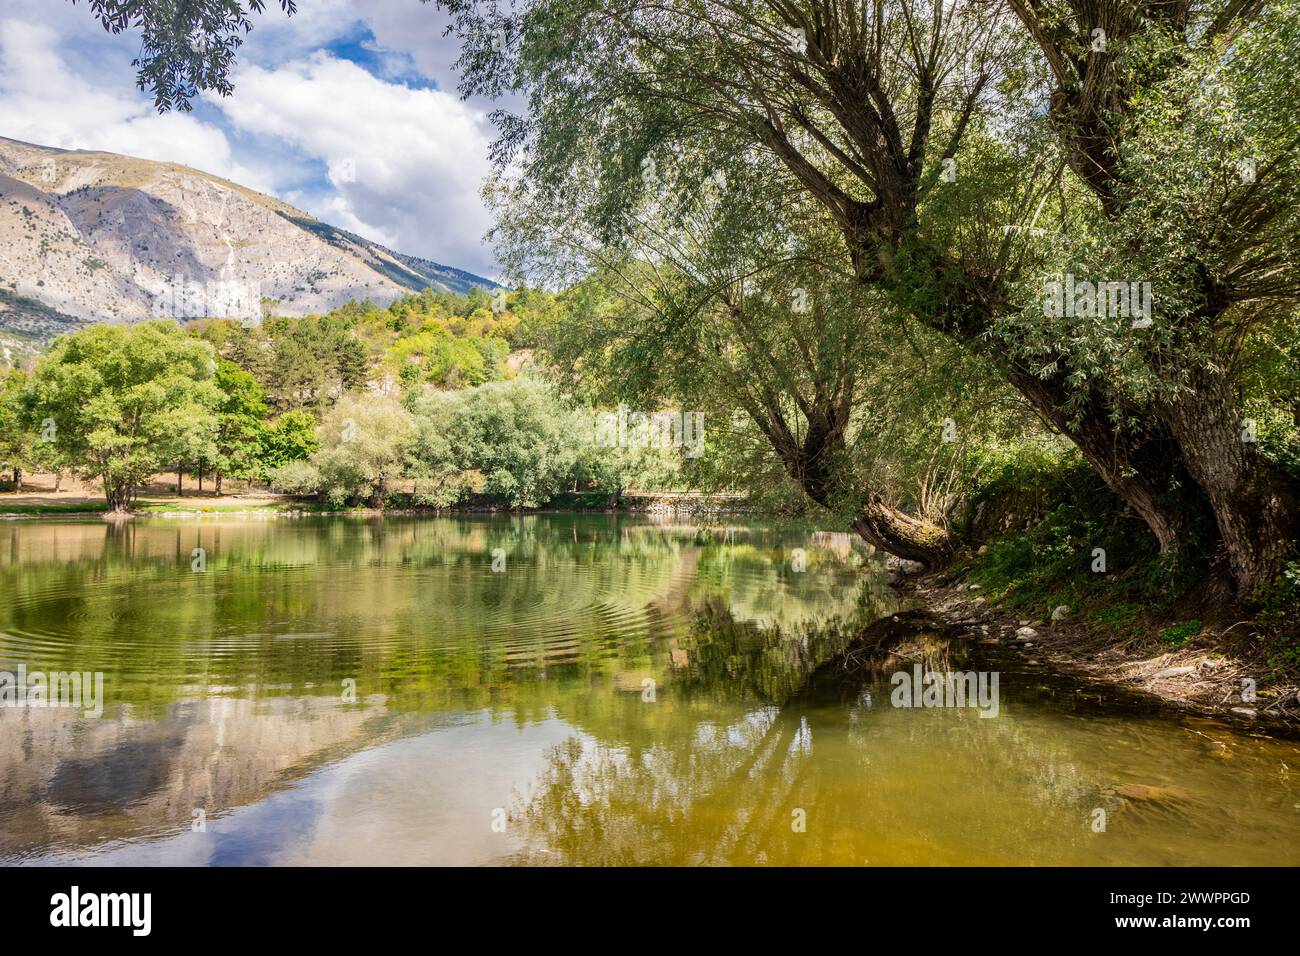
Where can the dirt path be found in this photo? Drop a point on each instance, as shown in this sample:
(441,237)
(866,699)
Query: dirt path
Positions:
(38,491)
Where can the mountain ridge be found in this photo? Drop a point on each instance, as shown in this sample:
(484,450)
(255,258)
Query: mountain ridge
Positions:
(91,236)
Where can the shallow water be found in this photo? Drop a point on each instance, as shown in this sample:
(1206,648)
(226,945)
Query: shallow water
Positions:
(621,692)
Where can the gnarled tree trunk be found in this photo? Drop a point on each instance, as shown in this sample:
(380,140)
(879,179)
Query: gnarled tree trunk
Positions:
(898,533)
(811,463)
(1256,506)
(1141,467)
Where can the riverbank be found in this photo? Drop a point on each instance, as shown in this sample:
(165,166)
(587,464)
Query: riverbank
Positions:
(157,502)
(1222,671)
(65,505)
(1058,570)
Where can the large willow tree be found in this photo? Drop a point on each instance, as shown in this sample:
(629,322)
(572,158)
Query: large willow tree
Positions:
(733,296)
(966,151)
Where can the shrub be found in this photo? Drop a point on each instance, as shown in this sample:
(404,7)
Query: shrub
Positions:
(1179,634)
(296,478)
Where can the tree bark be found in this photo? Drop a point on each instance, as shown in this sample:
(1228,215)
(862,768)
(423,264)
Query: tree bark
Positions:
(811,464)
(1141,467)
(1256,506)
(1141,464)
(902,535)
(117,496)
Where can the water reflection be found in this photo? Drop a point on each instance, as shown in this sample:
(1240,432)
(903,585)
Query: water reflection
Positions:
(625,692)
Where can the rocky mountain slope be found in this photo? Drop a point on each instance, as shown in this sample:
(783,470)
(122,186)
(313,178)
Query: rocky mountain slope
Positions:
(91,236)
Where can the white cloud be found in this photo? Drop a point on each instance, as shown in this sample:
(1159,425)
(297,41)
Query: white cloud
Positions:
(406,165)
(416,29)
(43,101)
(420,154)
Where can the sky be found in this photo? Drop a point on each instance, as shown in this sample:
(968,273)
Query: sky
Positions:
(347,110)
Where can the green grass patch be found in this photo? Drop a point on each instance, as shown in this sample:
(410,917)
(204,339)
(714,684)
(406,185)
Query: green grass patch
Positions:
(51,509)
(1177,635)
(1117,615)
(1082,548)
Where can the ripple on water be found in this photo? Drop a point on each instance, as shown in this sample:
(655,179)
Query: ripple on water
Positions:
(382,606)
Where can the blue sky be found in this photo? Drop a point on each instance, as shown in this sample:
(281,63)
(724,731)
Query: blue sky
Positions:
(347,110)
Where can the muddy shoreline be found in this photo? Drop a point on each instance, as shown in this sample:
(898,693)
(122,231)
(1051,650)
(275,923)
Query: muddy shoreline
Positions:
(1195,680)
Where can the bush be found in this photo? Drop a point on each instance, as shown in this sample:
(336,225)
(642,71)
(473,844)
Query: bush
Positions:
(296,478)
(519,435)
(363,444)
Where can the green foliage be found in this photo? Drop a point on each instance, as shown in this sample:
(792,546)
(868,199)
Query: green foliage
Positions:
(296,478)
(185,49)
(613,469)
(123,402)
(1282,596)
(1051,560)
(1279,618)
(292,438)
(15,440)
(430,339)
(240,424)
(271,388)
(364,440)
(434,356)
(1119,615)
(1179,634)
(517,435)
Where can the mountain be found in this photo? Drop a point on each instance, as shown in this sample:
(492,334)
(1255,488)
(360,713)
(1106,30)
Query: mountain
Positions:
(96,237)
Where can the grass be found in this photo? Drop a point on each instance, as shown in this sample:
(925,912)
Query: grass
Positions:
(1120,615)
(1052,563)
(1141,595)
(52,509)
(169,505)
(1083,550)
(1177,635)
(151,507)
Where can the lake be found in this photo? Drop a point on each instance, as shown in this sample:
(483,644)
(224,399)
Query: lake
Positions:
(560,689)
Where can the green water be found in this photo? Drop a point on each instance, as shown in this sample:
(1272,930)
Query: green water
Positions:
(357,691)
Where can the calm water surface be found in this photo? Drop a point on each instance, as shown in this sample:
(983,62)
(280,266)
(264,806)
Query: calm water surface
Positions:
(623,692)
